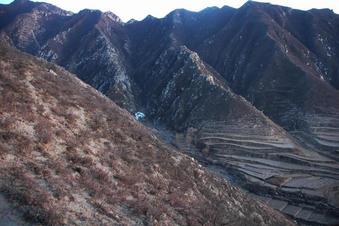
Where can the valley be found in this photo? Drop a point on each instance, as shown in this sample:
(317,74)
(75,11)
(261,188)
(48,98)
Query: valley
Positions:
(250,93)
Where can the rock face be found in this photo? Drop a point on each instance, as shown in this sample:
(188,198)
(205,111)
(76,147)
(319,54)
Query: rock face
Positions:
(70,156)
(250,92)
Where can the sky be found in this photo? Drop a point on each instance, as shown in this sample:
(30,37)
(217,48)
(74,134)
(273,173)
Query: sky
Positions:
(139,9)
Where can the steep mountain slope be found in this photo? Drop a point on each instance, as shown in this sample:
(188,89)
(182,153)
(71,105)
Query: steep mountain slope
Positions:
(151,36)
(255,50)
(35,23)
(221,128)
(304,37)
(71,156)
(266,61)
(94,46)
(233,134)
(250,92)
(90,43)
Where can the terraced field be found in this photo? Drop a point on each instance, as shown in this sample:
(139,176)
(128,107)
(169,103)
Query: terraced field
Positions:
(322,135)
(292,176)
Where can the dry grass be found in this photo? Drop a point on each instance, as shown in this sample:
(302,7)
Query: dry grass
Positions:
(87,162)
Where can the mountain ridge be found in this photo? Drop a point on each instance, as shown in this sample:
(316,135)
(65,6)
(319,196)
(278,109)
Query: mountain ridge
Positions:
(243,90)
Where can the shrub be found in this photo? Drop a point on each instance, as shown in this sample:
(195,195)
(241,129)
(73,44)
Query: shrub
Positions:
(100,175)
(36,202)
(44,130)
(6,123)
(75,158)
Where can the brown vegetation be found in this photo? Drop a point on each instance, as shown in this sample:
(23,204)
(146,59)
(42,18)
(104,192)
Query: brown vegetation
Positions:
(78,159)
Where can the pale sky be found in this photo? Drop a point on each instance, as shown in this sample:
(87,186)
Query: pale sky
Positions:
(139,9)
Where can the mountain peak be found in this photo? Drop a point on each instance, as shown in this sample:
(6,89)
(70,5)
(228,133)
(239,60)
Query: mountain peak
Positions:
(149,18)
(90,11)
(20,1)
(113,17)
(255,3)
(259,5)
(23,4)
(178,13)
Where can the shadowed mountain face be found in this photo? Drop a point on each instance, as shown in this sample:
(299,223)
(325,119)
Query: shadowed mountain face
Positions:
(251,92)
